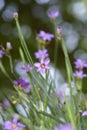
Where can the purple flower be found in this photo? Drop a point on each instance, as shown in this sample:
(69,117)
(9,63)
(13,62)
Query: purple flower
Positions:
(43,65)
(59,29)
(64,127)
(45,36)
(27,67)
(24,84)
(15,15)
(79,74)
(60,94)
(80,64)
(6,103)
(14,125)
(84,113)
(41,54)
(53,14)
(8,45)
(1,53)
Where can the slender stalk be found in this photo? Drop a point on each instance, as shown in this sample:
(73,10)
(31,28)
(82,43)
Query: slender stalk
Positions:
(11,64)
(56,43)
(79,97)
(23,43)
(70,77)
(46,98)
(34,87)
(4,71)
(55,49)
(22,55)
(70,114)
(24,46)
(68,64)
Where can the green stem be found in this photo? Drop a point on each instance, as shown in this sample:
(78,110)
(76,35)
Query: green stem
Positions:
(22,55)
(4,72)
(36,76)
(79,97)
(34,87)
(23,43)
(70,114)
(24,46)
(70,77)
(68,64)
(56,48)
(46,98)
(11,64)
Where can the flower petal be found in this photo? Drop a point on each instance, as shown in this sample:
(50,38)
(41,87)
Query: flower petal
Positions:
(15,120)
(47,61)
(84,113)
(37,64)
(27,89)
(7,125)
(21,125)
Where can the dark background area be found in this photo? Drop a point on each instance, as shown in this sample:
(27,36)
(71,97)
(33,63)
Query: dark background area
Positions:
(33,17)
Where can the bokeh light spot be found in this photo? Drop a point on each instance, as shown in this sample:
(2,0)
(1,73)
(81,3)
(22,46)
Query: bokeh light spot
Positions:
(7,14)
(2,4)
(42,1)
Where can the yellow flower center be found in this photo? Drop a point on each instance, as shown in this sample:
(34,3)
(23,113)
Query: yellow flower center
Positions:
(80,64)
(43,66)
(41,53)
(20,85)
(14,126)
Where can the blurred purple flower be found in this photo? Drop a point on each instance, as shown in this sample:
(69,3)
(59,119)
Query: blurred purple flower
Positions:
(64,127)
(8,45)
(53,14)
(45,36)
(79,74)
(14,125)
(43,65)
(1,53)
(59,29)
(27,67)
(60,93)
(41,54)
(15,15)
(24,84)
(84,113)
(80,64)
(6,103)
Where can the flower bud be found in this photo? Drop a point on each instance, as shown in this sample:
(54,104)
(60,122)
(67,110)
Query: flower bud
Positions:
(59,29)
(8,45)
(53,14)
(15,15)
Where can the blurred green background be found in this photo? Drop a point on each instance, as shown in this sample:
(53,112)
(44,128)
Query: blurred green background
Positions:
(33,16)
